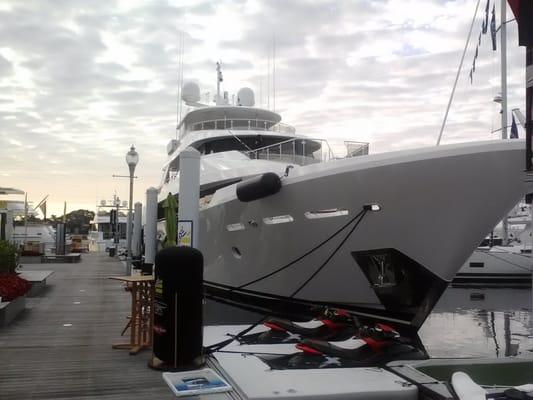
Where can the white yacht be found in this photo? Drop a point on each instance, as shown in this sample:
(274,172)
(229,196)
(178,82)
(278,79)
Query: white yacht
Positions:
(493,264)
(285,225)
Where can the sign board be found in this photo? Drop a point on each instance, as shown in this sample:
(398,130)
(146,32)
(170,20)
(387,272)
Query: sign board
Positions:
(184,233)
(3,205)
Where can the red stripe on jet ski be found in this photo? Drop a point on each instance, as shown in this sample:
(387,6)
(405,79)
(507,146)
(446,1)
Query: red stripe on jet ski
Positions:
(307,349)
(375,345)
(274,327)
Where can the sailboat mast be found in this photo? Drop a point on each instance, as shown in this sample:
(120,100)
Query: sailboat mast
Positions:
(529,106)
(503,37)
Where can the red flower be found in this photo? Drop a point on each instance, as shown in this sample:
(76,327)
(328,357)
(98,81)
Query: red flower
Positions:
(13,286)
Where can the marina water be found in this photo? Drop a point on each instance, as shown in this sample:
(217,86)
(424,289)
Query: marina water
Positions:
(480,322)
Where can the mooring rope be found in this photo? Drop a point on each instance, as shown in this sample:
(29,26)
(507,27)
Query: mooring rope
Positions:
(218,346)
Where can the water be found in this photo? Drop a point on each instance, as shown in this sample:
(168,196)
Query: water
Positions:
(464,323)
(480,323)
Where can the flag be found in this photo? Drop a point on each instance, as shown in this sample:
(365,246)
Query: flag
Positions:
(523,12)
(486,20)
(493,27)
(42,207)
(514,130)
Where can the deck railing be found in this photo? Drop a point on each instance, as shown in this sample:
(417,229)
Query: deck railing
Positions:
(243,124)
(354,149)
(294,151)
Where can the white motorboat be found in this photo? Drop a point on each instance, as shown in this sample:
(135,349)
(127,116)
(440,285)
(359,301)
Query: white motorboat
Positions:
(286,225)
(495,265)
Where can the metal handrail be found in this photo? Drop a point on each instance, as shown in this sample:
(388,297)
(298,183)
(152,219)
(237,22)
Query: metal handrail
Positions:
(296,158)
(361,148)
(250,124)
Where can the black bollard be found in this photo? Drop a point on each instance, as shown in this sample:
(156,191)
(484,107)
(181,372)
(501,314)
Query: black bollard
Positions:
(178,322)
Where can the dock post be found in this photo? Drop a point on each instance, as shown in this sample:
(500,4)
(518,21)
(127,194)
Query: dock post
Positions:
(60,239)
(188,213)
(528,199)
(178,316)
(150,228)
(137,225)
(9,226)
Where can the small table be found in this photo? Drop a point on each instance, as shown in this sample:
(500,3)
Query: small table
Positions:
(142,316)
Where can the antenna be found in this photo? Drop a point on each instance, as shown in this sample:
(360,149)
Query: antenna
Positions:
(268,80)
(181,67)
(181,45)
(219,79)
(274,71)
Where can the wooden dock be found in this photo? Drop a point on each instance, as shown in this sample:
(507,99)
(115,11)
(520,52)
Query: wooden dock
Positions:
(60,347)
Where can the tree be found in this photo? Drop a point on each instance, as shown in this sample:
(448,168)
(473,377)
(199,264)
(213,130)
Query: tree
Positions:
(77,222)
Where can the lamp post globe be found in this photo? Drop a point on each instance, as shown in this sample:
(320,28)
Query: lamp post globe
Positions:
(132,159)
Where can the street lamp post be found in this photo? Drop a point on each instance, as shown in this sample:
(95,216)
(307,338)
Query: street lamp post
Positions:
(132,158)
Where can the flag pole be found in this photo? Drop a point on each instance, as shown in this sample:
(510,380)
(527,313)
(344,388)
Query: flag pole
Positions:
(529,134)
(529,105)
(458,74)
(25,219)
(503,54)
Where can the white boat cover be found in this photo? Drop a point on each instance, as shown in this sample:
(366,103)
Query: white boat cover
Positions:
(466,388)
(253,377)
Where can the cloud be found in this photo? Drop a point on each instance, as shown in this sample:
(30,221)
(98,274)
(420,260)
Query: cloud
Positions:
(80,83)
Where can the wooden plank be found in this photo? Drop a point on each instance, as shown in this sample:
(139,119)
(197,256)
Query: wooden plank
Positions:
(60,347)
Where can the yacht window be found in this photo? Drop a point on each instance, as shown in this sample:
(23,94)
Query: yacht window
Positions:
(335,212)
(278,219)
(264,147)
(172,170)
(477,265)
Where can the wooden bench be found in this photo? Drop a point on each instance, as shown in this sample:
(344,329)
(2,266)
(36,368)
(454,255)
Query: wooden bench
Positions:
(66,258)
(37,280)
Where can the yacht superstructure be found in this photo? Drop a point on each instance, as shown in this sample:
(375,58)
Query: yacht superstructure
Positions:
(352,232)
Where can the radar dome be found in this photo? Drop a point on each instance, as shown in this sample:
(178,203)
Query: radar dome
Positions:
(190,92)
(245,97)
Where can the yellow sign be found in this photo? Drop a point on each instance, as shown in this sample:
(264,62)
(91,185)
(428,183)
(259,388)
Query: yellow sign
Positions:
(3,205)
(185,233)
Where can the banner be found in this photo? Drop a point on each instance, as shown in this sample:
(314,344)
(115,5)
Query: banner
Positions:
(184,235)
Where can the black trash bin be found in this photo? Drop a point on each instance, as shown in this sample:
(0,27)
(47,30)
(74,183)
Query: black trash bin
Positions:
(111,252)
(177,339)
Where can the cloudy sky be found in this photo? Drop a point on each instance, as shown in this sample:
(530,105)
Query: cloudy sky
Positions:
(81,81)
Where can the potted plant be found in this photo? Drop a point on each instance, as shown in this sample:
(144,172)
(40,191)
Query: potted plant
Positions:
(12,287)
(8,257)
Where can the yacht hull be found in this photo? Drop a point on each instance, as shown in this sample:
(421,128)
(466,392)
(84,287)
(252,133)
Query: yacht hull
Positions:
(491,268)
(436,206)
